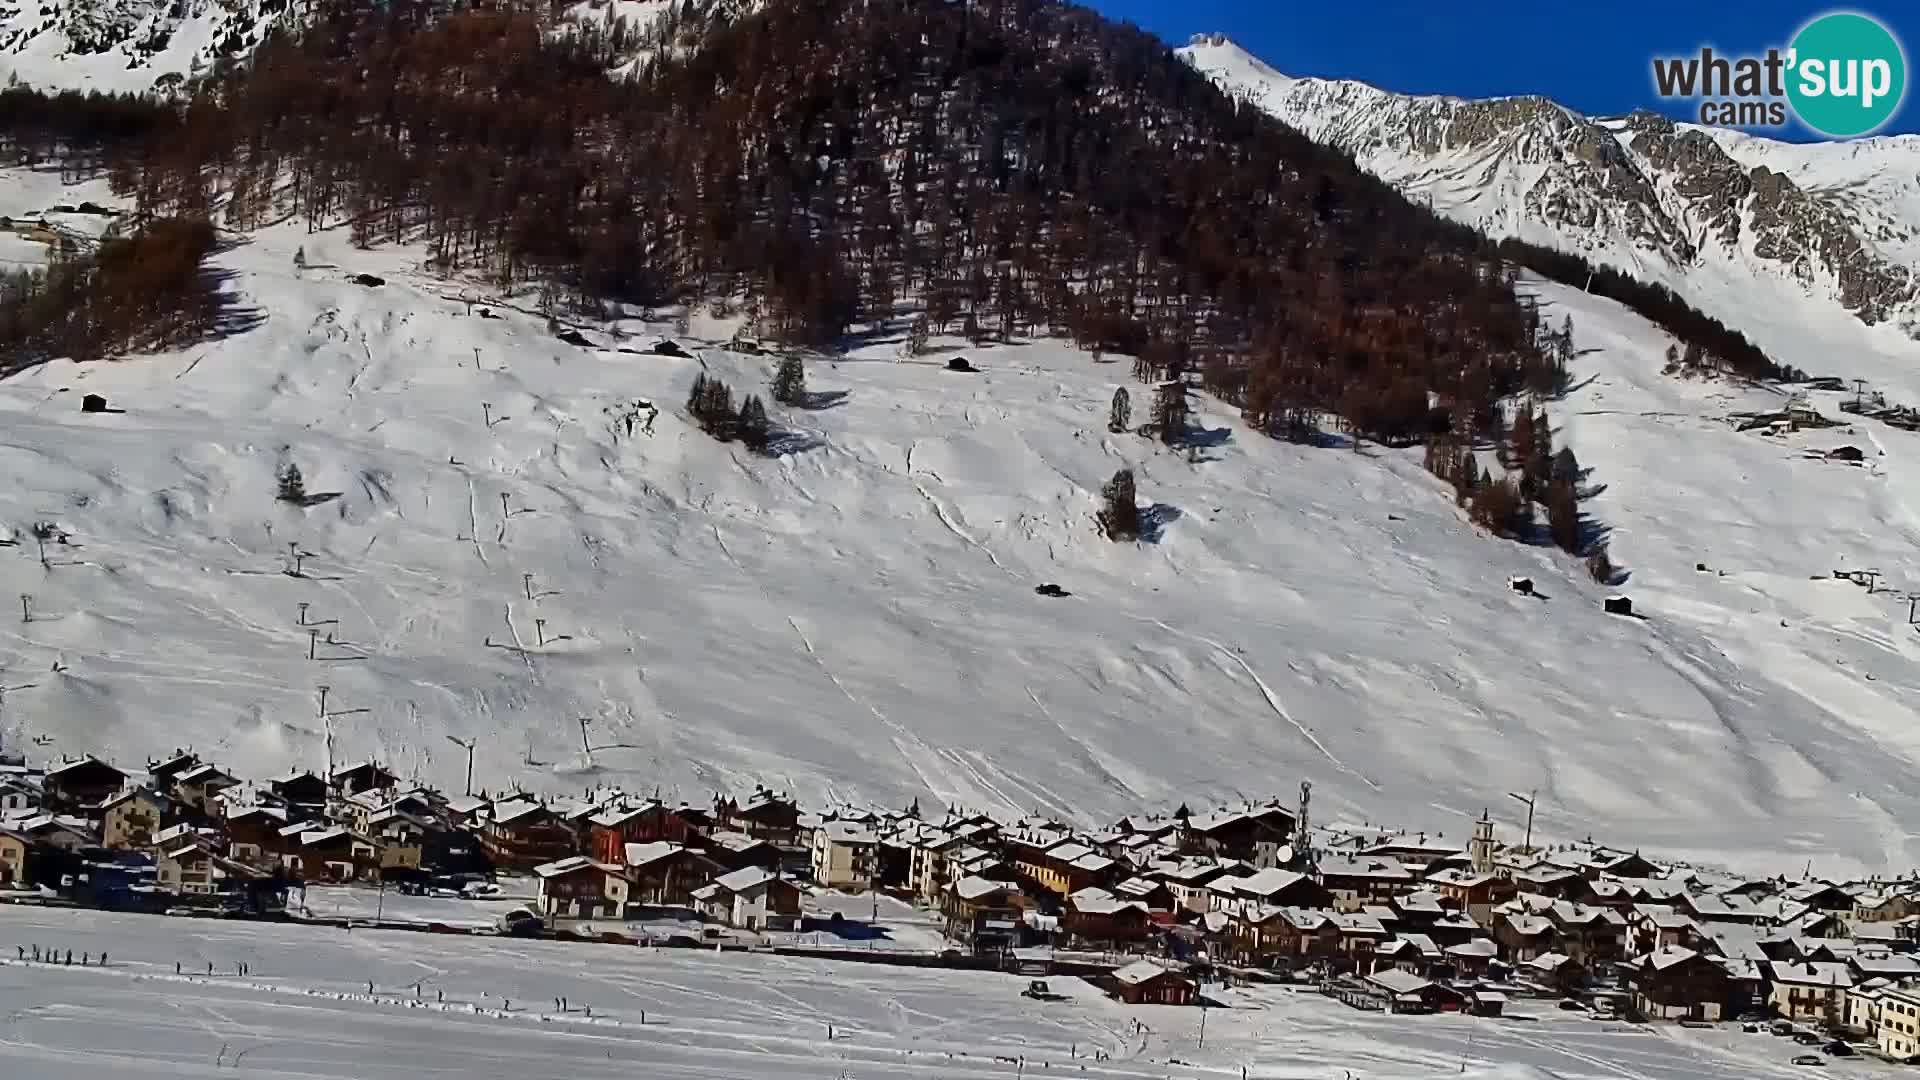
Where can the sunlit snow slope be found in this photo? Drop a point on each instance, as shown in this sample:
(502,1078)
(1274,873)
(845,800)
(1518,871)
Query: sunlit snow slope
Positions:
(857,618)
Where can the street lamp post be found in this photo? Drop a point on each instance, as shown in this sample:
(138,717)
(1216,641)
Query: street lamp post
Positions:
(1528,799)
(467,745)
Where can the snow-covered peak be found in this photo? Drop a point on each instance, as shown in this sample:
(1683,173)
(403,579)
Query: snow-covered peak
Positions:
(127,45)
(1719,216)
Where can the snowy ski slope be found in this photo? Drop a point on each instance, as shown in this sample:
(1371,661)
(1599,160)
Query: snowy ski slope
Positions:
(303,1009)
(856,618)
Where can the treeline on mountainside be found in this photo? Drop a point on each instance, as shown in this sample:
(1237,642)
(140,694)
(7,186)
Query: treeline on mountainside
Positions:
(1012,168)
(1712,345)
(1004,168)
(145,291)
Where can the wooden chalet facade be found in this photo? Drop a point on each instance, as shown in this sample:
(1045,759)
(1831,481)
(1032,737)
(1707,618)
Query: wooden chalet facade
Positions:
(523,834)
(1673,983)
(81,784)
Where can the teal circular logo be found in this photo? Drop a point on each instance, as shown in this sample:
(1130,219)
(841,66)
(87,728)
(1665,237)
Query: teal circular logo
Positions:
(1848,75)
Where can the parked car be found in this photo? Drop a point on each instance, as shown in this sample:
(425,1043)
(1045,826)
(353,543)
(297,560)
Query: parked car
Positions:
(1781,1027)
(1752,1016)
(480,888)
(1837,1048)
(1808,1038)
(1570,1005)
(1809,1059)
(1752,1029)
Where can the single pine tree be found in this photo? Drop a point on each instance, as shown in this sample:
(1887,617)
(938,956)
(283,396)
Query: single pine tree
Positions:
(790,382)
(1120,416)
(755,430)
(1119,511)
(1563,516)
(697,396)
(293,486)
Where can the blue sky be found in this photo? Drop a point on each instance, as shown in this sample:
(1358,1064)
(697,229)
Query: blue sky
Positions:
(1591,56)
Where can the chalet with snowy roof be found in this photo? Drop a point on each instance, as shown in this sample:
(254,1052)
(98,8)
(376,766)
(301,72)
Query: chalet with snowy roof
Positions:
(766,816)
(19,796)
(984,915)
(1356,881)
(466,811)
(1595,936)
(1154,894)
(161,771)
(614,827)
(1546,879)
(1098,917)
(665,874)
(1557,972)
(129,820)
(329,853)
(1189,879)
(194,868)
(1152,982)
(1595,862)
(1809,991)
(404,838)
(1673,983)
(81,784)
(1866,964)
(1415,954)
(1884,907)
(1474,892)
(1427,856)
(303,793)
(58,832)
(1523,935)
(1822,896)
(1235,893)
(579,887)
(738,851)
(1284,937)
(845,854)
(524,833)
(195,789)
(754,898)
(253,835)
(366,776)
(1651,892)
(1653,928)
(1358,935)
(1252,833)
(1395,991)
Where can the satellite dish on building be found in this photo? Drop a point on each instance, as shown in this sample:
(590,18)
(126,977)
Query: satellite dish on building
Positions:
(1285,854)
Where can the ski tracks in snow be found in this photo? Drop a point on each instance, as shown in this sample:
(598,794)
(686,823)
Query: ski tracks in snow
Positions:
(1273,701)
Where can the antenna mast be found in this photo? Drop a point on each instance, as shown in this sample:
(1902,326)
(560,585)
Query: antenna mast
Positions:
(1302,831)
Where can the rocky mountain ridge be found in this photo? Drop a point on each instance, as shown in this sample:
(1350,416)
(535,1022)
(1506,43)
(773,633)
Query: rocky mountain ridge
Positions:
(1657,199)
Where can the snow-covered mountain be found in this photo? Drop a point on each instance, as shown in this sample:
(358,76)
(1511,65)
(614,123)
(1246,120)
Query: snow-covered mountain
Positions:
(136,46)
(1740,225)
(856,618)
(127,45)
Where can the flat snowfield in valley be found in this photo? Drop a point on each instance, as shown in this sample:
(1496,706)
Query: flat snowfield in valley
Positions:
(491,554)
(303,1011)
